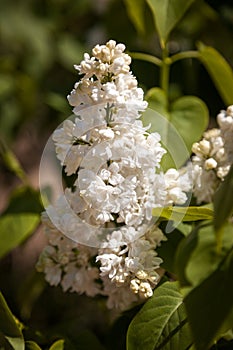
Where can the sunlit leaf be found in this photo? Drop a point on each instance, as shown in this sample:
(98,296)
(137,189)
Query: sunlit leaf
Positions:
(9,327)
(167,13)
(31,345)
(219,70)
(58,345)
(210,304)
(161,323)
(179,128)
(135,11)
(14,229)
(184,213)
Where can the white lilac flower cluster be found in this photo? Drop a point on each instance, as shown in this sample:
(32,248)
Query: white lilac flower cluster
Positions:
(101,236)
(213,157)
(107,78)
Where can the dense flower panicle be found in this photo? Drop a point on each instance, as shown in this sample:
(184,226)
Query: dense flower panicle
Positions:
(213,156)
(118,181)
(107,78)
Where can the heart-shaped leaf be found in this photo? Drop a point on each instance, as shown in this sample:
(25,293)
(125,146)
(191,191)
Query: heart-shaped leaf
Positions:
(179,127)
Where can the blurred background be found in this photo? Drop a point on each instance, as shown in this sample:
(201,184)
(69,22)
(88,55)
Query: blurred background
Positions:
(40,41)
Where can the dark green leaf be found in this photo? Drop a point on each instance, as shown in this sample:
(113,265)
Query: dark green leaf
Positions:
(210,304)
(219,70)
(88,340)
(9,327)
(179,128)
(136,10)
(223,203)
(14,229)
(183,213)
(183,255)
(167,250)
(24,200)
(205,257)
(161,323)
(167,13)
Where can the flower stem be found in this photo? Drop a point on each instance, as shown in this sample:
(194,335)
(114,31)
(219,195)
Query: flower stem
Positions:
(164,72)
(182,55)
(146,57)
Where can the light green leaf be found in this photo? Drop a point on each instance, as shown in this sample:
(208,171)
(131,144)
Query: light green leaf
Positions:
(190,116)
(58,345)
(184,213)
(179,128)
(136,10)
(210,304)
(167,13)
(31,345)
(9,327)
(14,229)
(219,70)
(161,323)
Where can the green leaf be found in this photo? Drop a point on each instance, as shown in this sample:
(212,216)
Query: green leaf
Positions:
(24,200)
(58,345)
(31,345)
(167,13)
(161,323)
(183,213)
(210,304)
(9,327)
(136,10)
(87,340)
(219,70)
(167,250)
(223,203)
(179,128)
(70,51)
(14,229)
(11,161)
(205,257)
(183,254)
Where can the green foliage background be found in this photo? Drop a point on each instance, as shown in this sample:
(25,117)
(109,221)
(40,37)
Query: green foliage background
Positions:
(40,41)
